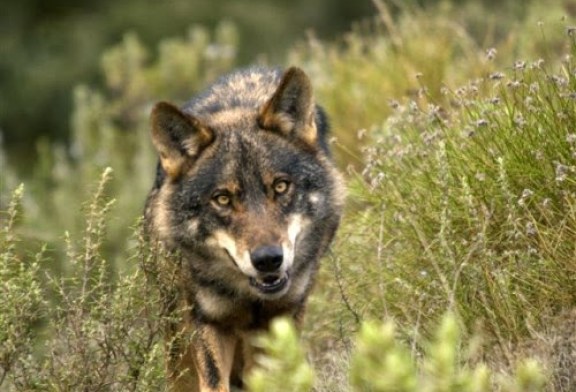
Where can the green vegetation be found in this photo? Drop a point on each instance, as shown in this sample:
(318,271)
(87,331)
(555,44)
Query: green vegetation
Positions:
(381,364)
(95,333)
(284,367)
(454,267)
(47,47)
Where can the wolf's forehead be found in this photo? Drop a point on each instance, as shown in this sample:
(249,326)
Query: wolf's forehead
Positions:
(248,158)
(231,119)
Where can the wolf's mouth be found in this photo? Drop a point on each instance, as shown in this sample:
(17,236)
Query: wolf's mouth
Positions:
(270,284)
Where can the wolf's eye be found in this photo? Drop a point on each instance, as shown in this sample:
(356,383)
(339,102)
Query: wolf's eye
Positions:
(222,200)
(281,186)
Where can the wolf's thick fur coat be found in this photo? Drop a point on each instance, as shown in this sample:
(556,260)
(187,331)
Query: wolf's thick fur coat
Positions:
(247,195)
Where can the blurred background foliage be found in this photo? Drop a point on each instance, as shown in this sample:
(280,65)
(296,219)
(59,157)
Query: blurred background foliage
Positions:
(47,47)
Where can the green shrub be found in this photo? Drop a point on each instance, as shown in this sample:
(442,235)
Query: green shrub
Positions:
(474,199)
(284,368)
(467,201)
(96,333)
(21,299)
(381,363)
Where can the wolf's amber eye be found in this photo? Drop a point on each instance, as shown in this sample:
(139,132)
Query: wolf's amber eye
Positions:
(281,186)
(222,200)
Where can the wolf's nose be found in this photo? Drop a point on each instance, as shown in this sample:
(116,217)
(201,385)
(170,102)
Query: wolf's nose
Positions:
(267,258)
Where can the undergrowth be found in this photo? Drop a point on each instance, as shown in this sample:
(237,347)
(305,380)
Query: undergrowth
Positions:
(381,363)
(468,202)
(454,267)
(95,333)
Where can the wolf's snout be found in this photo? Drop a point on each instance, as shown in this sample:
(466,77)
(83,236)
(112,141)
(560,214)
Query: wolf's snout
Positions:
(267,258)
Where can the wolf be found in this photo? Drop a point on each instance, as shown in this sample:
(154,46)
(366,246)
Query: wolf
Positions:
(248,196)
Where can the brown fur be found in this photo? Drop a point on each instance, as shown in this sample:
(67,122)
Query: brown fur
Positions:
(248,200)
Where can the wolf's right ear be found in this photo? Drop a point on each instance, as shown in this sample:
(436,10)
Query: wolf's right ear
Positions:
(178,137)
(291,109)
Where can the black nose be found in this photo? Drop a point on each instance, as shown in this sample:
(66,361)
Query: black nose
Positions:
(267,258)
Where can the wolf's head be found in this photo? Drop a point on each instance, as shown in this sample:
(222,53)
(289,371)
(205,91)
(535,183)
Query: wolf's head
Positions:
(247,191)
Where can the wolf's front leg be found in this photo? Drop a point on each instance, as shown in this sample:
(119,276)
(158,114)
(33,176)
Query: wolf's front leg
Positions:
(213,356)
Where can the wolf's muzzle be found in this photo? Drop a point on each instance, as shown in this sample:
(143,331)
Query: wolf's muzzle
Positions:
(267,258)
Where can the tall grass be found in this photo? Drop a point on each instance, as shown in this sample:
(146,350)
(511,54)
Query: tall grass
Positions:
(416,55)
(467,202)
(476,191)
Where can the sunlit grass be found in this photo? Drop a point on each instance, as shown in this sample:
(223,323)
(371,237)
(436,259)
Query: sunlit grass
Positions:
(467,202)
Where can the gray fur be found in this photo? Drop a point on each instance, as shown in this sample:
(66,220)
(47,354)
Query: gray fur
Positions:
(251,171)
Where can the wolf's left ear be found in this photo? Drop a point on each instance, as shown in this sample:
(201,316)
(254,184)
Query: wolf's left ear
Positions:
(290,111)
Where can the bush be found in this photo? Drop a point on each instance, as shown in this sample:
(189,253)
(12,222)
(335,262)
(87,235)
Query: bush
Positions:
(22,300)
(96,332)
(473,200)
(381,363)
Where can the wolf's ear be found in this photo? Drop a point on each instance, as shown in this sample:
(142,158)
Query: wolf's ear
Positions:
(178,137)
(290,111)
